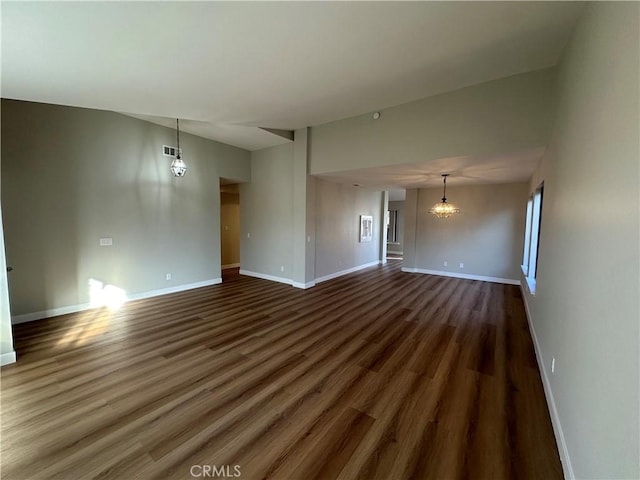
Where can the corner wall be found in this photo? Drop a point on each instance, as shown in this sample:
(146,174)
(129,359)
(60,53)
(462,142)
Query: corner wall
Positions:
(71,176)
(338,210)
(266,216)
(585,312)
(329,227)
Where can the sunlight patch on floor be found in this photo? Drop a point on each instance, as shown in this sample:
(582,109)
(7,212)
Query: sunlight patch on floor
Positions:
(110,296)
(105,301)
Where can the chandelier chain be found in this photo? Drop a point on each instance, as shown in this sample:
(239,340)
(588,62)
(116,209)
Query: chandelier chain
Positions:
(178,134)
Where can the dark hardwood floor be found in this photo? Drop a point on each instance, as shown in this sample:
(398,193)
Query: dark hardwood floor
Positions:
(374,375)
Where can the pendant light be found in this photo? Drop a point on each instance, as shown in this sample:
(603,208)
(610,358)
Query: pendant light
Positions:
(443,209)
(178,168)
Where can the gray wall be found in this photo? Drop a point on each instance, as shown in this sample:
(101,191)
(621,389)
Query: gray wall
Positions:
(267,213)
(505,115)
(338,210)
(585,311)
(487,234)
(72,175)
(399,245)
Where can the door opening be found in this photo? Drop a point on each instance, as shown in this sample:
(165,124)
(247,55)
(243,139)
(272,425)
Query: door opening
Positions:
(229,229)
(395,228)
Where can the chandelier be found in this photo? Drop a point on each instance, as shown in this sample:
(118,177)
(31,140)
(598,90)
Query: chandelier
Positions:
(443,209)
(178,168)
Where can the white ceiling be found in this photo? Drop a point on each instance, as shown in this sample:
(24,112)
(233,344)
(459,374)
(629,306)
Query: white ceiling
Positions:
(507,168)
(227,68)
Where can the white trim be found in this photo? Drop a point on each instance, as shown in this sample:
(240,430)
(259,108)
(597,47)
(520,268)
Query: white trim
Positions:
(466,276)
(265,276)
(313,283)
(303,285)
(347,271)
(54,312)
(231,265)
(176,289)
(531,285)
(531,282)
(548,393)
(7,358)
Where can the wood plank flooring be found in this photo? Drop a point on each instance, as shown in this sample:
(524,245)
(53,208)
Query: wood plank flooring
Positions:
(375,375)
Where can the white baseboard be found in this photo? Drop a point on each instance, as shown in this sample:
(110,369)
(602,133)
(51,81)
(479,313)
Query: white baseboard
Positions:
(313,283)
(176,289)
(555,419)
(7,358)
(230,265)
(265,276)
(508,281)
(273,278)
(347,271)
(54,312)
(304,285)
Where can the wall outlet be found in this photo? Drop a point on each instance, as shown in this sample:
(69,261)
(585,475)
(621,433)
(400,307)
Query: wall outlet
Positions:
(339,263)
(553,365)
(446,264)
(462,265)
(309,239)
(282,268)
(168,276)
(248,235)
(106,242)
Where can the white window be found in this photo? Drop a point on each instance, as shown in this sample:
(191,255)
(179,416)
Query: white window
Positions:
(527,236)
(532,238)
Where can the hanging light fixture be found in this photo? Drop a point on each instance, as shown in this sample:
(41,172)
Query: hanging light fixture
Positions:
(178,168)
(443,209)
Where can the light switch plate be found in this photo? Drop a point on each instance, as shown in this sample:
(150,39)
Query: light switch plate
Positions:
(106,241)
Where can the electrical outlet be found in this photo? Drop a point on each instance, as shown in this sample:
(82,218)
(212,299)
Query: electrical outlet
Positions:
(462,265)
(248,235)
(309,239)
(339,263)
(553,365)
(446,264)
(106,241)
(282,268)
(168,276)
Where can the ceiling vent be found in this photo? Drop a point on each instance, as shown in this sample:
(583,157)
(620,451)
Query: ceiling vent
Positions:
(168,151)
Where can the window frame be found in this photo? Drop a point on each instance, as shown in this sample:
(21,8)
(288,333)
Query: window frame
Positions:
(533,229)
(527,236)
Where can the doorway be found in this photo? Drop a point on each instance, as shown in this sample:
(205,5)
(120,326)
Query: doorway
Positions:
(395,224)
(229,229)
